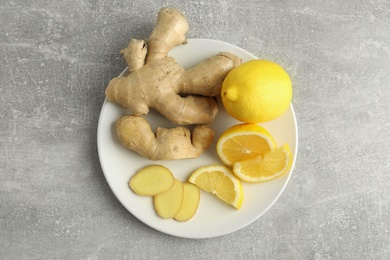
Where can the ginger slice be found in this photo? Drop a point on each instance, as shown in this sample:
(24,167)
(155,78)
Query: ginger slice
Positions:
(168,204)
(190,202)
(152,180)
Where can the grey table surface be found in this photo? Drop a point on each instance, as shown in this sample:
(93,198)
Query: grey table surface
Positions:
(56,60)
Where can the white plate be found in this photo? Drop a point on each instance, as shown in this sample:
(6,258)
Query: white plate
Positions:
(213,218)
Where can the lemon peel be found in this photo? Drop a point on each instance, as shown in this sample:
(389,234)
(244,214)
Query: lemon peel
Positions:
(256,91)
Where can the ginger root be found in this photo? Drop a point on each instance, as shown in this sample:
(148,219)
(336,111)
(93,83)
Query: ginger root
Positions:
(156,81)
(134,133)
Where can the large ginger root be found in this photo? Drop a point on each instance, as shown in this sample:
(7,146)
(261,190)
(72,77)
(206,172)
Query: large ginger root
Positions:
(157,81)
(135,133)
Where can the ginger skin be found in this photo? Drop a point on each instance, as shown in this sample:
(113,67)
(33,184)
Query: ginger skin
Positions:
(156,81)
(135,133)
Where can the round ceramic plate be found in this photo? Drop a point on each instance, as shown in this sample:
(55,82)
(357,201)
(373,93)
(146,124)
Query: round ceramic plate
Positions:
(214,217)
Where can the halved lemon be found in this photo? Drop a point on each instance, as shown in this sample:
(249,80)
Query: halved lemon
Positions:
(264,168)
(220,181)
(244,141)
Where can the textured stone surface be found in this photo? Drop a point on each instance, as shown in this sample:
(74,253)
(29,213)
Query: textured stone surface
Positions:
(58,56)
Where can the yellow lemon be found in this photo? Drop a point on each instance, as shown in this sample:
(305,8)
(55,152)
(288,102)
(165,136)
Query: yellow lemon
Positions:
(264,168)
(256,91)
(244,141)
(220,181)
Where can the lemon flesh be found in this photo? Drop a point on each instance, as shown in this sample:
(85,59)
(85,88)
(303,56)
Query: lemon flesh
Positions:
(264,168)
(244,141)
(221,182)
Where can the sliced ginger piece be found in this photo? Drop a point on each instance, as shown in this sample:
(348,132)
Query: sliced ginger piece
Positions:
(168,204)
(152,180)
(190,202)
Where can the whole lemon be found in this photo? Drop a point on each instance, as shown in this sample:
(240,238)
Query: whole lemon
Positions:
(256,91)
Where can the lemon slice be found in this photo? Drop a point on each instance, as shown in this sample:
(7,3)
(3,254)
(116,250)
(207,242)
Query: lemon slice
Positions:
(264,168)
(220,181)
(244,141)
